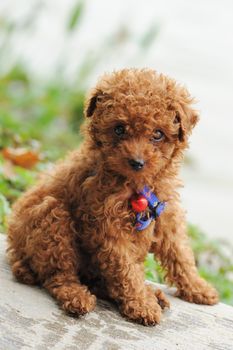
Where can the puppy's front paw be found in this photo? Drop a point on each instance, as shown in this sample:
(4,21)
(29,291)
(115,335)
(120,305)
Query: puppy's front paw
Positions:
(143,312)
(77,302)
(200,293)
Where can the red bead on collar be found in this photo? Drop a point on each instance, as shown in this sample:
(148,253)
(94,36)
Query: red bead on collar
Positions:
(139,204)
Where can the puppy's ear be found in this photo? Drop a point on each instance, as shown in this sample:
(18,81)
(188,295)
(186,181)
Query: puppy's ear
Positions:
(187,119)
(91,102)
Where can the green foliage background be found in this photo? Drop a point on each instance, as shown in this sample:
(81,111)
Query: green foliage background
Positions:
(46,118)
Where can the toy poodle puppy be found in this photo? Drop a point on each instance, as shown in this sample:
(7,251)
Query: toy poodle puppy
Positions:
(87,227)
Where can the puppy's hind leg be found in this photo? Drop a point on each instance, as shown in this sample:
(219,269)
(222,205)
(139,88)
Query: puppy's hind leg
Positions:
(56,260)
(73,297)
(23,273)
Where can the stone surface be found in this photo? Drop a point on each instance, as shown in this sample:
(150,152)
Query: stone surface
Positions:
(30,319)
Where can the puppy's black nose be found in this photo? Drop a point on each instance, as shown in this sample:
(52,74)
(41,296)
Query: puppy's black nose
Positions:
(136,164)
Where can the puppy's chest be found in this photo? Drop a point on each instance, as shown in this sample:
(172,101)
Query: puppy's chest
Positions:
(104,210)
(108,209)
(104,214)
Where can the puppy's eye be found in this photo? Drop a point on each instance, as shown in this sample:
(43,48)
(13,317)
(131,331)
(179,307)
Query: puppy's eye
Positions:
(158,136)
(119,130)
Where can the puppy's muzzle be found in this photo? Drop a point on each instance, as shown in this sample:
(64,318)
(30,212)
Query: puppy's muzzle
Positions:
(136,164)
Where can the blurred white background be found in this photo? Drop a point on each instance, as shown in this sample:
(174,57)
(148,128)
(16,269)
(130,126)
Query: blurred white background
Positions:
(193,44)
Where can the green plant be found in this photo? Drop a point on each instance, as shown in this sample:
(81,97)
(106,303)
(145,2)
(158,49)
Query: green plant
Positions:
(4,211)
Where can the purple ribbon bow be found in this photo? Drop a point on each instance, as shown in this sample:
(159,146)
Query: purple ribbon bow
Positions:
(156,207)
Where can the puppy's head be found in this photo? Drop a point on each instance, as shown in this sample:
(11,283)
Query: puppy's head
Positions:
(140,121)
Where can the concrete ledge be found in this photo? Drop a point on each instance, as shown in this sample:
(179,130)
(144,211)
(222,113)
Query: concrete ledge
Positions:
(30,319)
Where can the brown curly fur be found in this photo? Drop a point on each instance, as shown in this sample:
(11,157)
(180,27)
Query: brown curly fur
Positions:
(73,232)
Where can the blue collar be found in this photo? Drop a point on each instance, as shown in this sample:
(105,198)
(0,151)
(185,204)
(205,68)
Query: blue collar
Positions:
(155,208)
